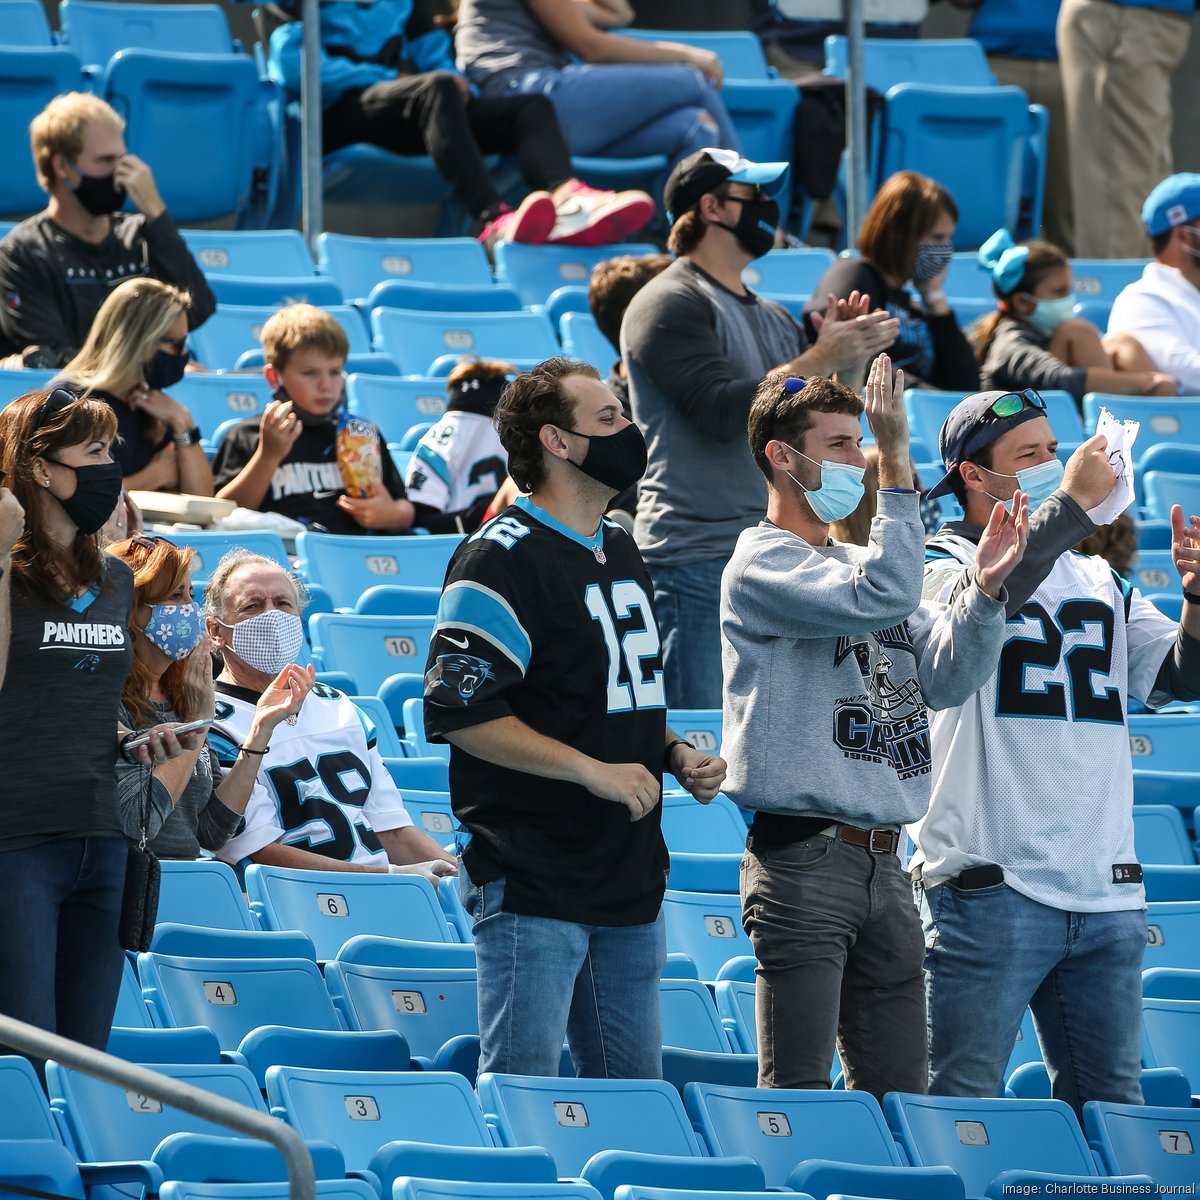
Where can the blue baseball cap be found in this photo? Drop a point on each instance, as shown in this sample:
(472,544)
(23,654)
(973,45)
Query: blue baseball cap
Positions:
(1175,201)
(977,421)
(706,169)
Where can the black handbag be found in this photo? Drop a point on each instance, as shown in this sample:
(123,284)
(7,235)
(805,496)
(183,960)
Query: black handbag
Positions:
(139,906)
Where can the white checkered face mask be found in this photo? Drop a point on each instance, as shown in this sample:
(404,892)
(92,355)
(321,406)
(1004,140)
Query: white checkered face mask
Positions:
(269,640)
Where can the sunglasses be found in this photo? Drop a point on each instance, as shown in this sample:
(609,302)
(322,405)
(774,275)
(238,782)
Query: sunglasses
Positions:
(178,344)
(1012,403)
(58,399)
(148,541)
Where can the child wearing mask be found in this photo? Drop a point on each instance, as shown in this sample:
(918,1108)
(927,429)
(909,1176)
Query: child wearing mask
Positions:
(305,457)
(1034,340)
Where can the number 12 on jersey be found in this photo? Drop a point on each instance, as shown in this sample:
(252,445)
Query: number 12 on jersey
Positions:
(633,648)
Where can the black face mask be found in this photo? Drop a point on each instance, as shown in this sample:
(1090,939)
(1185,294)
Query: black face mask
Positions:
(165,369)
(97,490)
(616,460)
(98,194)
(755,228)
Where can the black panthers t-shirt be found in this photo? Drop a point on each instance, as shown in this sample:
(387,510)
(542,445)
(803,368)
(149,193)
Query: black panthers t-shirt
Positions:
(538,622)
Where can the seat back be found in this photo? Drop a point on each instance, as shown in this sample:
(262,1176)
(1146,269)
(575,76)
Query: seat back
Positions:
(132,1011)
(788,272)
(1171,1034)
(233,996)
(537,271)
(210,546)
(707,926)
(689,1017)
(27,1115)
(332,906)
(713,828)
(1100,281)
(1172,881)
(387,740)
(398,600)
(346,566)
(395,404)
(781,1127)
(1163,1143)
(369,649)
(1165,488)
(735,1003)
(329,1049)
(414,728)
(24,23)
(1163,741)
(360,263)
(582,339)
(246,252)
(426,775)
(99,31)
(700,726)
(213,399)
(193,1045)
(578,1118)
(416,340)
(1173,935)
(1171,983)
(431,811)
(1153,571)
(953,62)
(203,892)
(1164,419)
(453,1189)
(326,1189)
(234,333)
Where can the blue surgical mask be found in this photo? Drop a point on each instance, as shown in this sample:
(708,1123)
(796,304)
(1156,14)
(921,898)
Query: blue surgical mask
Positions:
(175,629)
(1038,483)
(1048,315)
(840,491)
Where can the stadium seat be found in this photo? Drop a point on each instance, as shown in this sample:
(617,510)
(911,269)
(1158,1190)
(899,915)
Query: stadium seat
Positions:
(700,726)
(328,1049)
(571,297)
(788,273)
(1163,1087)
(17,381)
(953,62)
(24,23)
(431,811)
(210,546)
(1163,1143)
(359,264)
(443,297)
(1026,1048)
(1162,787)
(1173,938)
(581,338)
(705,872)
(713,828)
(1171,1034)
(1164,741)
(332,906)
(398,600)
(1171,881)
(214,399)
(1154,572)
(387,740)
(735,1004)
(204,892)
(145,1046)
(346,566)
(1164,419)
(275,290)
(233,996)
(370,649)
(446,1189)
(537,271)
(967,280)
(202,941)
(414,728)
(98,32)
(1165,488)
(132,1010)
(424,774)
(689,1017)
(1099,281)
(810,1141)
(245,252)
(707,926)
(1171,983)
(415,340)
(995,1144)
(395,404)
(231,337)
(326,1189)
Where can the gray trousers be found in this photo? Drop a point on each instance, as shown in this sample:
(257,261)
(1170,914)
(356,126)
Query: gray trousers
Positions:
(839,947)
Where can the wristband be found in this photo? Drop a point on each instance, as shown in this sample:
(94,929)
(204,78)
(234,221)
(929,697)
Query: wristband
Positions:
(191,438)
(247,750)
(671,746)
(1191,598)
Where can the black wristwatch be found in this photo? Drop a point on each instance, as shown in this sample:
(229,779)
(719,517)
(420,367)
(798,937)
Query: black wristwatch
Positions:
(671,746)
(191,438)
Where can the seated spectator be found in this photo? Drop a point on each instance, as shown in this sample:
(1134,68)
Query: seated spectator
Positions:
(1034,340)
(135,350)
(295,459)
(194,806)
(618,97)
(1162,309)
(323,799)
(907,238)
(388,78)
(57,267)
(460,463)
(1116,543)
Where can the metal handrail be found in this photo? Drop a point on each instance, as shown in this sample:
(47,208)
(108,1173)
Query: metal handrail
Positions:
(174,1092)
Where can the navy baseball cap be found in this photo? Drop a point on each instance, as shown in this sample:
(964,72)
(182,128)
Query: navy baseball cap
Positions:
(709,168)
(1175,201)
(978,421)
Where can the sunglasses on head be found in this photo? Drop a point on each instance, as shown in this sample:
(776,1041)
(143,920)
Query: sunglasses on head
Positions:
(148,541)
(58,399)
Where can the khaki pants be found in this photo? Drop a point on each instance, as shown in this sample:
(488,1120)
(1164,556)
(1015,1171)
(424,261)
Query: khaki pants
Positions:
(1117,64)
(1041,82)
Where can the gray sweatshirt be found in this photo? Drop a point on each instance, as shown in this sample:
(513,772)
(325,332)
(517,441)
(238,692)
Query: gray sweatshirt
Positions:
(830,658)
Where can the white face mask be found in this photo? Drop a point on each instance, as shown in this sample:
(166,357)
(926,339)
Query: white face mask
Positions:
(269,640)
(1194,251)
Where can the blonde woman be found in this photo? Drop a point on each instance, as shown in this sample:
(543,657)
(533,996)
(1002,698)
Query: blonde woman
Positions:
(135,350)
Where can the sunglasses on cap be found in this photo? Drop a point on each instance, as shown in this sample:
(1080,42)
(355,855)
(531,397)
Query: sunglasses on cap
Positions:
(1012,403)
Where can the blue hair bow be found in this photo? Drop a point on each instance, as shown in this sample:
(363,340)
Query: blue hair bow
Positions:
(1004,260)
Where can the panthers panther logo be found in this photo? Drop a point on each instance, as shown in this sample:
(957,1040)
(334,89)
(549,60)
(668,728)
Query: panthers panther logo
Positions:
(463,674)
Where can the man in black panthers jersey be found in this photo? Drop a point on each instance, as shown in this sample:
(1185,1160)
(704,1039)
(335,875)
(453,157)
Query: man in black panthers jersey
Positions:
(545,676)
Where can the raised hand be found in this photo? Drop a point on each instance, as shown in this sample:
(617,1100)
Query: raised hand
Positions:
(278,430)
(1002,545)
(1185,549)
(1088,476)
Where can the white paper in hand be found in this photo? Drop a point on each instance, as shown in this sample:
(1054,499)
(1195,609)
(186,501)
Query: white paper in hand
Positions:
(1121,435)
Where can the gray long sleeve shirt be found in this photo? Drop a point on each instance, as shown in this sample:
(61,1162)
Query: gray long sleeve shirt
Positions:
(831,659)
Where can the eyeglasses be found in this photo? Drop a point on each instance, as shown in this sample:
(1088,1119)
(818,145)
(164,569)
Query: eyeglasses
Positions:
(178,344)
(1012,403)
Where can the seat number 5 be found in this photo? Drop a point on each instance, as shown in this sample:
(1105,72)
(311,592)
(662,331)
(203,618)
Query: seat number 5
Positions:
(632,649)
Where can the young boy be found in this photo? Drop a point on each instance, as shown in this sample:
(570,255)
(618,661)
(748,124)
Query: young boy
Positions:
(286,460)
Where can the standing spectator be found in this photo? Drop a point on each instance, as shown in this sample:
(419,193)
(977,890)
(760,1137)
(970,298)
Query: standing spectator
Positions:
(135,350)
(64,610)
(57,268)
(1028,882)
(1034,340)
(1162,309)
(907,238)
(834,638)
(388,78)
(696,343)
(1117,58)
(544,676)
(615,96)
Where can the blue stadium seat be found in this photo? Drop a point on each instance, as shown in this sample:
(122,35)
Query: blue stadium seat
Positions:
(537,271)
(386,738)
(581,338)
(788,273)
(194,1045)
(214,399)
(446,1189)
(328,1049)
(275,290)
(637,1191)
(17,381)
(1161,787)
(810,1140)
(993,1143)
(1163,741)
(1173,938)
(332,906)
(1165,488)
(700,726)
(705,872)
(707,926)
(233,996)
(416,340)
(967,280)
(1163,1087)
(359,264)
(741,53)
(426,774)
(714,828)
(370,649)
(326,1189)
(1154,571)
(30,77)
(1161,1142)
(132,1010)
(571,297)
(24,23)
(443,297)
(431,811)
(346,566)
(953,62)
(246,252)
(735,1004)
(210,546)
(1164,419)
(1171,983)
(689,1017)
(398,601)
(98,32)
(201,941)
(231,336)
(395,404)
(1171,1034)
(204,892)
(1172,881)
(414,727)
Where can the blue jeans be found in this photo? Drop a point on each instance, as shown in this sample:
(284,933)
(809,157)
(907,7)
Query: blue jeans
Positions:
(60,961)
(687,607)
(649,108)
(992,952)
(541,980)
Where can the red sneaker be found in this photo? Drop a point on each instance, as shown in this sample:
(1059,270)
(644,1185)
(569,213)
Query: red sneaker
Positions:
(590,217)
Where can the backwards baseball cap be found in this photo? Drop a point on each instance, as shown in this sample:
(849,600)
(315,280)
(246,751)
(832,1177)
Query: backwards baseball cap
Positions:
(977,422)
(1175,201)
(708,169)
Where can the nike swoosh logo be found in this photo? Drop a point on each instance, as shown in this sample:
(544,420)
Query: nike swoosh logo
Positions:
(326,494)
(455,642)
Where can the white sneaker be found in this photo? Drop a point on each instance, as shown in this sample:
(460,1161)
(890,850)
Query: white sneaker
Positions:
(590,217)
